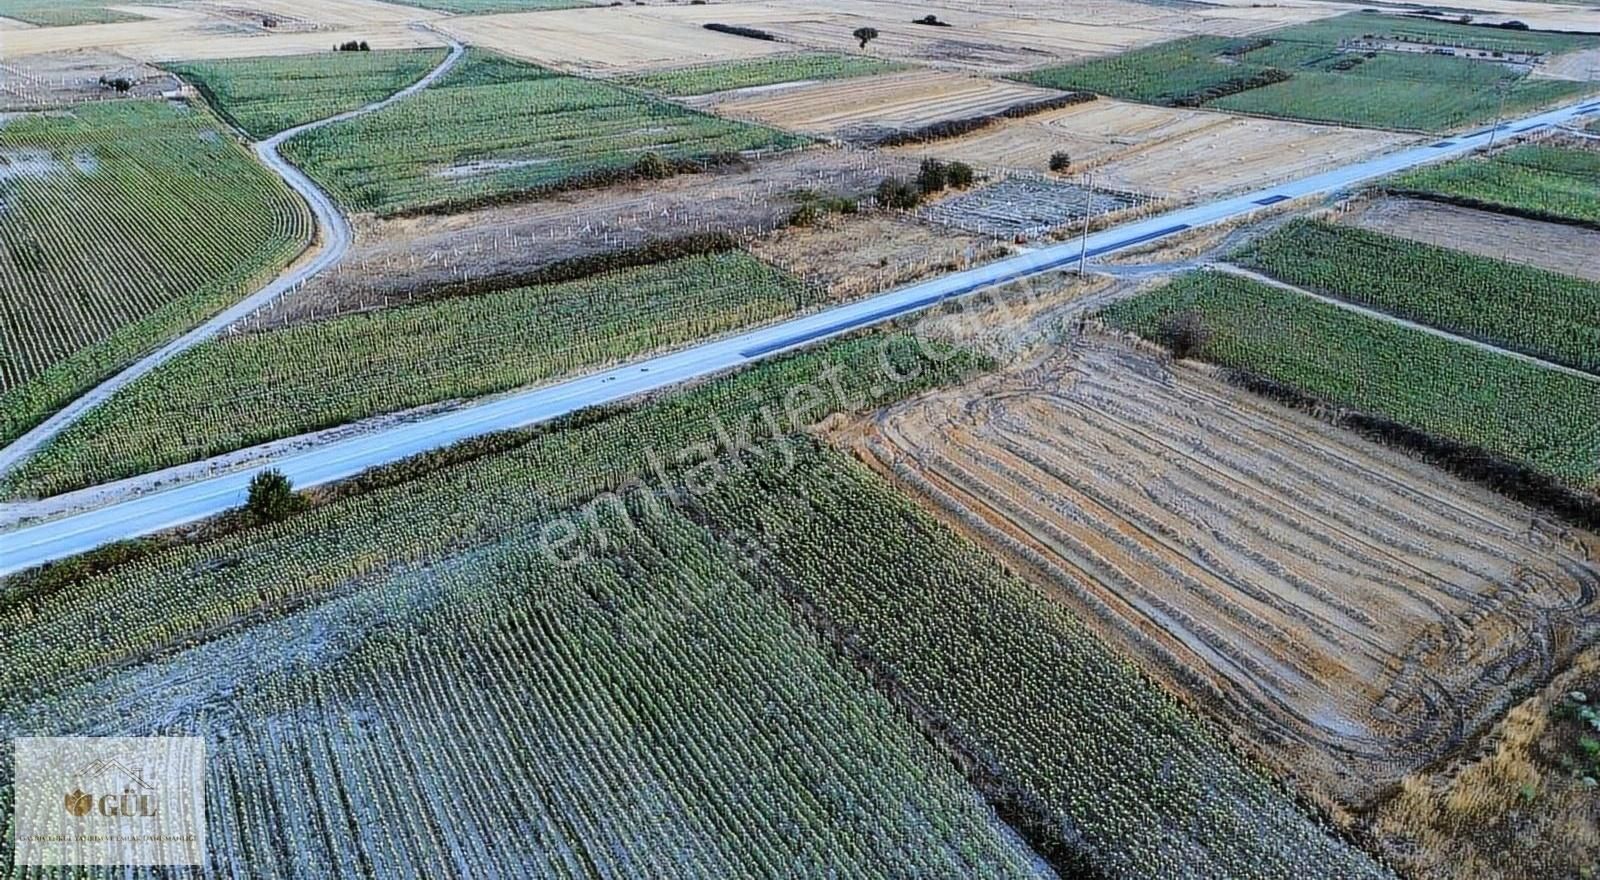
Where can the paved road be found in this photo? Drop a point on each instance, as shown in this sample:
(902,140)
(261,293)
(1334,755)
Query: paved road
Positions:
(332,227)
(31,545)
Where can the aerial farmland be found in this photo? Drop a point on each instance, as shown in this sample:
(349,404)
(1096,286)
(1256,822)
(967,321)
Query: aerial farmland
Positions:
(1113,439)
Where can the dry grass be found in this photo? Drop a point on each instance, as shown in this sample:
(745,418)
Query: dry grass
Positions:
(1557,247)
(854,256)
(1507,813)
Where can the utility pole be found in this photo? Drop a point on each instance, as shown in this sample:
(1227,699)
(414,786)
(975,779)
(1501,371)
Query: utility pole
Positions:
(1499,86)
(1088,205)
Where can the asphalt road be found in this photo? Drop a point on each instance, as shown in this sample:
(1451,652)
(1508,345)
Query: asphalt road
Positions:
(332,228)
(69,535)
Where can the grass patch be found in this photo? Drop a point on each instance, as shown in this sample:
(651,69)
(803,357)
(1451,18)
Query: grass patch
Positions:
(244,390)
(1522,308)
(59,13)
(1537,418)
(1544,182)
(493,129)
(123,224)
(263,96)
(723,75)
(1303,72)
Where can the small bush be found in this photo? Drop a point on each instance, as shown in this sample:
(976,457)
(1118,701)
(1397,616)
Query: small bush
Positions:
(807,214)
(865,35)
(1185,333)
(272,498)
(896,193)
(740,31)
(932,177)
(652,167)
(1060,162)
(959,175)
(931,21)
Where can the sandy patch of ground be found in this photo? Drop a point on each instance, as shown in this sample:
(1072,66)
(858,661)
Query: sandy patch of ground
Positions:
(860,255)
(1581,66)
(395,260)
(1541,16)
(1351,613)
(604,40)
(234,30)
(866,107)
(1570,250)
(1162,151)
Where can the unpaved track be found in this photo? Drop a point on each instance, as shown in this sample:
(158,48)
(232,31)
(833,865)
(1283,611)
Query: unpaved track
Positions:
(332,228)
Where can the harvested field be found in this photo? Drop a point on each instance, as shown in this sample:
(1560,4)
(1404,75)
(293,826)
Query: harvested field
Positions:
(1352,613)
(866,108)
(234,30)
(1025,206)
(1558,247)
(39,81)
(1163,151)
(395,260)
(855,256)
(611,40)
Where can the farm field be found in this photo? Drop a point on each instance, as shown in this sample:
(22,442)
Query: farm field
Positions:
(1550,316)
(1146,746)
(757,73)
(198,30)
(1556,247)
(866,108)
(397,259)
(862,255)
(123,225)
(1536,418)
(1161,151)
(487,7)
(1301,72)
(263,96)
(495,129)
(1538,180)
(552,677)
(52,81)
(57,13)
(1356,615)
(243,390)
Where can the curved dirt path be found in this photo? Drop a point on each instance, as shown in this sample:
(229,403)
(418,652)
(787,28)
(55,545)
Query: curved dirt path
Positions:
(331,227)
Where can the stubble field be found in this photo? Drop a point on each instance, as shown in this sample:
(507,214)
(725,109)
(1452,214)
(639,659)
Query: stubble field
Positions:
(1355,613)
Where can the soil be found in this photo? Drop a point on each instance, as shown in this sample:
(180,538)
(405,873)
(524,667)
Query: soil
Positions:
(866,253)
(1351,614)
(1558,247)
(59,78)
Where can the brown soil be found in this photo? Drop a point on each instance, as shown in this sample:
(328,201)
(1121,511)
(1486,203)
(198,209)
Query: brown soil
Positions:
(395,260)
(866,253)
(54,79)
(1571,250)
(1352,614)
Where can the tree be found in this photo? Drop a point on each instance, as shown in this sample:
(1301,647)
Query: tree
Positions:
(272,498)
(932,176)
(959,175)
(1185,333)
(1060,162)
(896,193)
(652,167)
(865,35)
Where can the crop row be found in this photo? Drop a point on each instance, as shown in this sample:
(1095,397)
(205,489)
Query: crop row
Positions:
(1543,181)
(263,96)
(492,129)
(124,223)
(1539,418)
(722,75)
(243,390)
(1551,316)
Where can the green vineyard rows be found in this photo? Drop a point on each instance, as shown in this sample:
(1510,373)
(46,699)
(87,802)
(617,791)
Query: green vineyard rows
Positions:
(123,224)
(1550,316)
(244,390)
(493,128)
(1539,418)
(1537,180)
(717,77)
(1416,91)
(263,96)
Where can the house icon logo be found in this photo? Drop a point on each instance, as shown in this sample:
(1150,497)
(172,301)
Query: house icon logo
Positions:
(136,798)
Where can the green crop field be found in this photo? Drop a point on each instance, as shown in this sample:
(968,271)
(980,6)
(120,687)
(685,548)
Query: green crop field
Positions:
(244,390)
(1301,72)
(705,78)
(57,13)
(123,224)
(449,589)
(1550,316)
(1543,181)
(1540,418)
(263,96)
(494,128)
